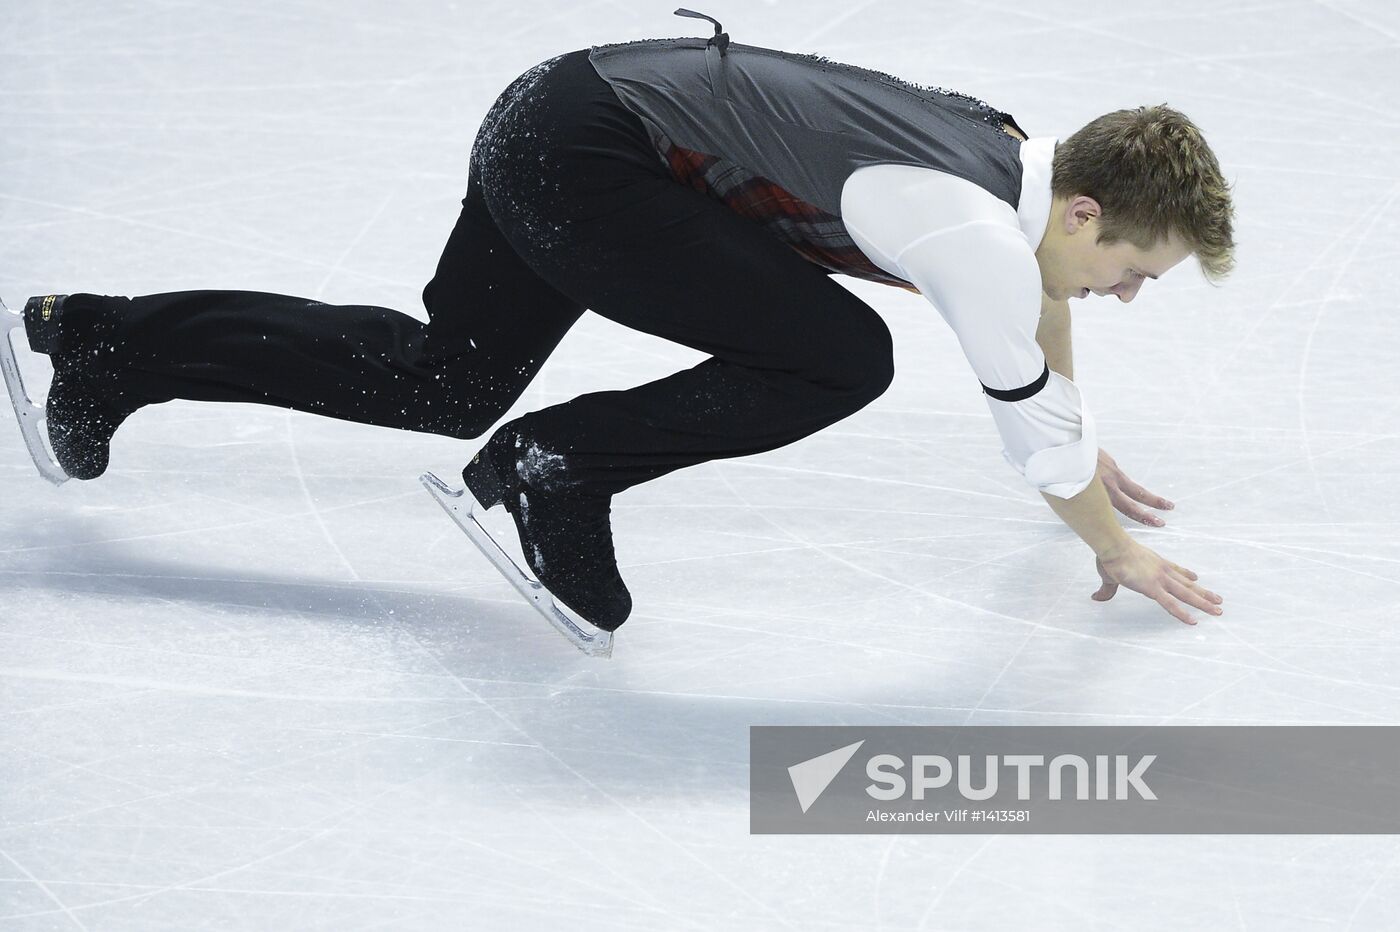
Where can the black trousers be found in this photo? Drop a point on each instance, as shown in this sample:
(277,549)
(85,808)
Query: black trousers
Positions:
(567,207)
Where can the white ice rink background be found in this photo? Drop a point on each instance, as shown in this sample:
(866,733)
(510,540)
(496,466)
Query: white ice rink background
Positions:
(254,679)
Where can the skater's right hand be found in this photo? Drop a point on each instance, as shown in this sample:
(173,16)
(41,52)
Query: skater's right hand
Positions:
(1142,570)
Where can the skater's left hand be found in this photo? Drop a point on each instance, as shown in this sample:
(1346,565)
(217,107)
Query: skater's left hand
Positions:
(1126,495)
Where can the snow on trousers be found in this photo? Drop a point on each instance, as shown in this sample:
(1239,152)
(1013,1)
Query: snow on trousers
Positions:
(567,207)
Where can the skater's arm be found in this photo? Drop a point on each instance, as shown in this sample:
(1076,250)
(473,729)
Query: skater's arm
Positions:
(1125,495)
(1053,335)
(976,267)
(1090,515)
(964,250)
(984,281)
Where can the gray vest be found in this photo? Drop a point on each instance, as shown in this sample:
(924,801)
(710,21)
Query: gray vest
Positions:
(722,115)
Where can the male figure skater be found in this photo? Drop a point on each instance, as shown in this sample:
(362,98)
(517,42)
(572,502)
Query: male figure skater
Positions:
(704,191)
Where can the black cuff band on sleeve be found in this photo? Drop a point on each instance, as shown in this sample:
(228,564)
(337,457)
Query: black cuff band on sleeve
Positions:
(1022,393)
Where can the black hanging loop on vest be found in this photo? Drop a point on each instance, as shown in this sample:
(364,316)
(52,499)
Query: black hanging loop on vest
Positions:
(714,54)
(720,39)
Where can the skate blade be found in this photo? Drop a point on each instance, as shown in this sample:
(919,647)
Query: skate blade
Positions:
(26,412)
(461,507)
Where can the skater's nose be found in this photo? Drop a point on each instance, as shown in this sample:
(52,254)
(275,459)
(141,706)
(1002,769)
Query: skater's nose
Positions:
(1126,291)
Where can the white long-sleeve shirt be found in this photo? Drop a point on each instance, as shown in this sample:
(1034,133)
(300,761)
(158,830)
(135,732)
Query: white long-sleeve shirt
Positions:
(973,257)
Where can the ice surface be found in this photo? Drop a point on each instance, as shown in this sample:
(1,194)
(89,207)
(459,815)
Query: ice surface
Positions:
(254,679)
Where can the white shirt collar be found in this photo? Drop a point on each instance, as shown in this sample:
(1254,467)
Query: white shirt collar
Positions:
(1033,213)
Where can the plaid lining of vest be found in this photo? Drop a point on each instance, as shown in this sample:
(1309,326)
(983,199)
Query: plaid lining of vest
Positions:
(816,235)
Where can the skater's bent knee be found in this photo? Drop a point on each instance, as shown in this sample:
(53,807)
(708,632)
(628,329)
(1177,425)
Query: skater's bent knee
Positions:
(863,369)
(880,375)
(877,374)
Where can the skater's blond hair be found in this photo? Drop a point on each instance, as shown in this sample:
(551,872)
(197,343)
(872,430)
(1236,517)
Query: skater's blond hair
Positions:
(1153,174)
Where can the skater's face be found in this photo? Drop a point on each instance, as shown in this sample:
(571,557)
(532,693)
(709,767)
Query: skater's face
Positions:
(1074,265)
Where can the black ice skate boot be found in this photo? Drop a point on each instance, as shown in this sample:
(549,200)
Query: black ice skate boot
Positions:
(565,530)
(81,415)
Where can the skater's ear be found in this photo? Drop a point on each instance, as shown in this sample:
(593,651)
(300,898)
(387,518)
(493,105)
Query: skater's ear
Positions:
(1080,214)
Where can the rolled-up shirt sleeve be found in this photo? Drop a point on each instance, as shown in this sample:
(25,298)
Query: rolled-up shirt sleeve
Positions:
(979,272)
